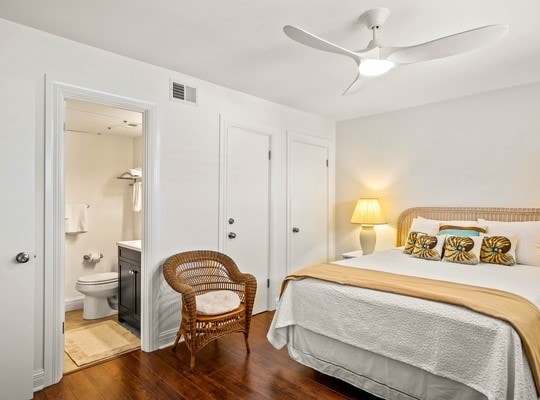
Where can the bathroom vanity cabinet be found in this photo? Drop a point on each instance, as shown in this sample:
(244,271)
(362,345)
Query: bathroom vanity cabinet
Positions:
(129,285)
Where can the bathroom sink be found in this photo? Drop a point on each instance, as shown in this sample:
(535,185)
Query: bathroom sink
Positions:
(130,244)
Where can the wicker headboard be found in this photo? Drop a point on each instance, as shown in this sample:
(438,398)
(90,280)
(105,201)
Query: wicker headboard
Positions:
(462,213)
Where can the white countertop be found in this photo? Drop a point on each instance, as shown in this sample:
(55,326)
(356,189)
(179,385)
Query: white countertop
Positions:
(130,244)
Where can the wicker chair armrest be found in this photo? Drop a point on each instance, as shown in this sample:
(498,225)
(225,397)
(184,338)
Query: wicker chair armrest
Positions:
(249,280)
(186,291)
(175,283)
(183,288)
(242,278)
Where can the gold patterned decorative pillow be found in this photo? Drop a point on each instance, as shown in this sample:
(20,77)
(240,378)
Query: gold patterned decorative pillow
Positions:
(429,247)
(498,250)
(411,240)
(463,249)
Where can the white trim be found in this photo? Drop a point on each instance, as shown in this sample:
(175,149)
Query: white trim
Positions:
(39,380)
(167,338)
(53,337)
(54,302)
(329,144)
(149,261)
(222,181)
(74,303)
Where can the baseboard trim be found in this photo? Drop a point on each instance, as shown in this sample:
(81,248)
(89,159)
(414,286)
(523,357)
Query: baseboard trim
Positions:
(39,380)
(166,339)
(74,303)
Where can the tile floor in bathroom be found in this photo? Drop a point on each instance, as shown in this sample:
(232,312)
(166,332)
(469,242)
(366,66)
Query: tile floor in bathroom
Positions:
(74,320)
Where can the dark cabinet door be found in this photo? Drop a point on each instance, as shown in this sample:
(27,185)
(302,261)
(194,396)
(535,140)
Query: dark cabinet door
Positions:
(127,287)
(136,277)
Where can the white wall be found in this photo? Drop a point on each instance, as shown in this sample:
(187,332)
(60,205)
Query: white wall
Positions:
(482,150)
(137,162)
(92,163)
(188,147)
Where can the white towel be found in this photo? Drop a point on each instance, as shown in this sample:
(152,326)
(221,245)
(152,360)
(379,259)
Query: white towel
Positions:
(137,196)
(76,218)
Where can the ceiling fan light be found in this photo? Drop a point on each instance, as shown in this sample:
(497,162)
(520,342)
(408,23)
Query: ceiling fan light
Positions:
(375,67)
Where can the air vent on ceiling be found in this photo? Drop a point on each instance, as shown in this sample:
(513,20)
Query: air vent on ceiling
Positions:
(182,93)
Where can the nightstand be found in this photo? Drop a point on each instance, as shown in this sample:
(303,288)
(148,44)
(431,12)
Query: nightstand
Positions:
(352,254)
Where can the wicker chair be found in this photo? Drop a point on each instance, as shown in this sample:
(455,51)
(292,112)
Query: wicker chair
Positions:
(197,272)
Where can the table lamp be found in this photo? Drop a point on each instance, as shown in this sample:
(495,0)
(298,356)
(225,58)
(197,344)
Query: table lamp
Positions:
(368,213)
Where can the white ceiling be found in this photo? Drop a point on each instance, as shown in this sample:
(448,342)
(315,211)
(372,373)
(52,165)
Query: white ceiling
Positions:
(93,118)
(240,44)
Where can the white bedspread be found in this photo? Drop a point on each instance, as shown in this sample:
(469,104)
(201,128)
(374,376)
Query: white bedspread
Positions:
(450,341)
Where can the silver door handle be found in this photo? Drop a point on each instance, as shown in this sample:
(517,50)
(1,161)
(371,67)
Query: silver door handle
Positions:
(295,230)
(232,235)
(22,258)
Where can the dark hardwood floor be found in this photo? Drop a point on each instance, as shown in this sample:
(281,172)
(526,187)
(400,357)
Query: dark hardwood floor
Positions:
(223,371)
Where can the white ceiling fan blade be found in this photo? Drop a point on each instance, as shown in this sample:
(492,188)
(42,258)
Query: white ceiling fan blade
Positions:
(301,36)
(446,46)
(356,85)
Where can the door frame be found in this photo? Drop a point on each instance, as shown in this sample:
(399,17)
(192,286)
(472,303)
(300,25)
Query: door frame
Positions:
(298,137)
(222,226)
(54,236)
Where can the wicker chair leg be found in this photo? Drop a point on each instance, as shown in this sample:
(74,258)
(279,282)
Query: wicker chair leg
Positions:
(247,343)
(176,340)
(192,362)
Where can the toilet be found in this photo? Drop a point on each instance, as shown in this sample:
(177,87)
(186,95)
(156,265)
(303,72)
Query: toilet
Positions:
(100,292)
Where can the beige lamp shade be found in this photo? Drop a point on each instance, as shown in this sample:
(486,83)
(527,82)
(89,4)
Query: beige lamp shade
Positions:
(368,212)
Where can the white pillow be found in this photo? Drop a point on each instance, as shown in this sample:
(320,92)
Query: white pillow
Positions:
(528,244)
(217,302)
(431,226)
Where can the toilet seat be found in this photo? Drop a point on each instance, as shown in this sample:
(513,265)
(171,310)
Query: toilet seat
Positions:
(98,279)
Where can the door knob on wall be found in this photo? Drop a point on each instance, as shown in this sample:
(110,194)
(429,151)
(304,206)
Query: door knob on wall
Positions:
(295,230)
(232,235)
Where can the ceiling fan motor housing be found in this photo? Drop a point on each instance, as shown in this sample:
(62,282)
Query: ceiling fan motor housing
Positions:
(375,18)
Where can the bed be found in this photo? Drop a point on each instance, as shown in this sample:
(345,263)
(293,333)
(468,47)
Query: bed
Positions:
(402,347)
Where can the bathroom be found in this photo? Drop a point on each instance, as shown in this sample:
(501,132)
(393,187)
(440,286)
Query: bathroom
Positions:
(103,203)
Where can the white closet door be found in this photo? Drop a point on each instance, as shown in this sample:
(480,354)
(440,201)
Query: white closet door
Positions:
(245,218)
(17,236)
(308,203)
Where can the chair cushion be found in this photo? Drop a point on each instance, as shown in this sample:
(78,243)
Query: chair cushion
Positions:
(217,302)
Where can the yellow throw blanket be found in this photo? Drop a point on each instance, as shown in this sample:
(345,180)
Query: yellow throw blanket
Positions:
(519,312)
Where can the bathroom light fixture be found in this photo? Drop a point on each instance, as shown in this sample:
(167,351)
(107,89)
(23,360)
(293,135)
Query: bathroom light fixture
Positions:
(368,213)
(124,124)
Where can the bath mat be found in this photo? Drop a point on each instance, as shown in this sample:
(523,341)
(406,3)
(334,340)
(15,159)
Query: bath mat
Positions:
(96,342)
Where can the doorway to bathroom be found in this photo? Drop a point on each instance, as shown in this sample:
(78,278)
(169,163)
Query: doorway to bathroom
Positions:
(53,323)
(103,169)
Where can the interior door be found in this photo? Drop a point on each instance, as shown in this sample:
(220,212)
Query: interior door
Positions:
(308,204)
(17,236)
(246,215)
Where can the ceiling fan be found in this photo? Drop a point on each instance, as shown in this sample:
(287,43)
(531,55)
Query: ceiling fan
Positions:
(377,59)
